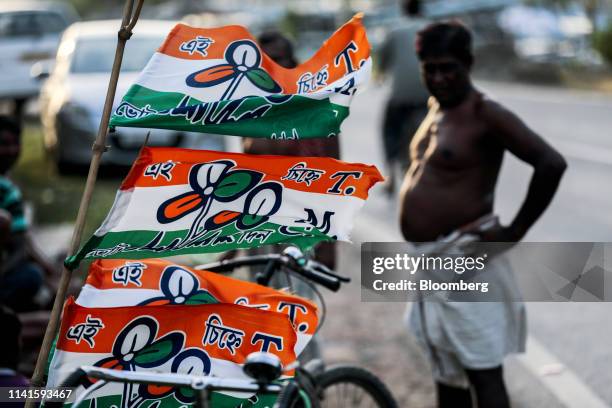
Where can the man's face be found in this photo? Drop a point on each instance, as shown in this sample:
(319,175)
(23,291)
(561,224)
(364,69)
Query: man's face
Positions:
(446,78)
(278,52)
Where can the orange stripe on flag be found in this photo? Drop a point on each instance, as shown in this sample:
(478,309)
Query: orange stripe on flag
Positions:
(190,321)
(222,37)
(102,276)
(274,168)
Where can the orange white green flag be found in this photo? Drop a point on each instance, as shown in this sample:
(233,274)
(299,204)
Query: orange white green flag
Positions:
(180,201)
(218,80)
(205,340)
(156,282)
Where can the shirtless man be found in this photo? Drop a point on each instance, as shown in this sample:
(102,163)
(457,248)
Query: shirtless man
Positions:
(456,156)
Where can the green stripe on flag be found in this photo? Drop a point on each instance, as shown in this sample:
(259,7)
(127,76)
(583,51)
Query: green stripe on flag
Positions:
(156,244)
(275,117)
(218,400)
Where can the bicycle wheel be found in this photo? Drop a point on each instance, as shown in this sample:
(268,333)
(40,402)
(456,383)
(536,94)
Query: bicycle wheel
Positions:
(354,387)
(294,395)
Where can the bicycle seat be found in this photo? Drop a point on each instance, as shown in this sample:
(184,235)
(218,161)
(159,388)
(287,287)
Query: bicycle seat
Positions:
(263,367)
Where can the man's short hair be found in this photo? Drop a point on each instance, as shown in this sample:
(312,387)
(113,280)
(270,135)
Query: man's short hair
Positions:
(272,36)
(445,38)
(287,58)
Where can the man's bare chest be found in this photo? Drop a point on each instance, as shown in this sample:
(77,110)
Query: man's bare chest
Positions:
(456,144)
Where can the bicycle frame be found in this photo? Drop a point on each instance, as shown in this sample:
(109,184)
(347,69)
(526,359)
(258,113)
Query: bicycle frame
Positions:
(272,262)
(203,384)
(292,259)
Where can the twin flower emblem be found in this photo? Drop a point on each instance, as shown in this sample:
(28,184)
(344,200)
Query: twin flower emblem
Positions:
(180,287)
(216,181)
(243,61)
(137,346)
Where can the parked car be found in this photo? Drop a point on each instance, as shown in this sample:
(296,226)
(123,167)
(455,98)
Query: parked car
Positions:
(72,98)
(29,31)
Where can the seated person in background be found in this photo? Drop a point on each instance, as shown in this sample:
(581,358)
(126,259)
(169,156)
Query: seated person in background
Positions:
(5,226)
(21,267)
(10,350)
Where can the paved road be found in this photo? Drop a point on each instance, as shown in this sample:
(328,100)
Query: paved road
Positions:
(577,123)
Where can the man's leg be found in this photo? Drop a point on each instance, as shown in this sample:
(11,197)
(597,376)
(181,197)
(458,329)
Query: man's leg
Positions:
(489,388)
(453,397)
(392,124)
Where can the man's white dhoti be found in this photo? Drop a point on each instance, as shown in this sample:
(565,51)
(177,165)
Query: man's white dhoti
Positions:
(474,335)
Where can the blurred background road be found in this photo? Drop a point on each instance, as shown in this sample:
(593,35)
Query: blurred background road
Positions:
(577,334)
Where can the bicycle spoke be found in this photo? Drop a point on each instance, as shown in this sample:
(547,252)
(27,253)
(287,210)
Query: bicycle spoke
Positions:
(347,395)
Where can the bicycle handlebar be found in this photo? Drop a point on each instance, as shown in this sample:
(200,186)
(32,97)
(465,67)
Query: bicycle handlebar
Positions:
(330,282)
(292,259)
(203,384)
(178,380)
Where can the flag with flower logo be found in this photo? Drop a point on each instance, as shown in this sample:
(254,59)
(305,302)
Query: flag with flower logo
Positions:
(205,340)
(218,80)
(156,282)
(181,201)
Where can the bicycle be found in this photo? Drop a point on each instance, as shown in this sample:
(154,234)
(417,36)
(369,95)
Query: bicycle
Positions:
(263,368)
(340,386)
(313,386)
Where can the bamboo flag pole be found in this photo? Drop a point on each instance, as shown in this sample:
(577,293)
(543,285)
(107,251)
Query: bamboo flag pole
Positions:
(130,17)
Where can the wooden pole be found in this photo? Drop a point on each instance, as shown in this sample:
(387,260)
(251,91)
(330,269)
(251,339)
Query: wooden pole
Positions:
(130,17)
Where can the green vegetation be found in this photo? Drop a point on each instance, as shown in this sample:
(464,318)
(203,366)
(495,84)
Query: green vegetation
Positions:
(602,41)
